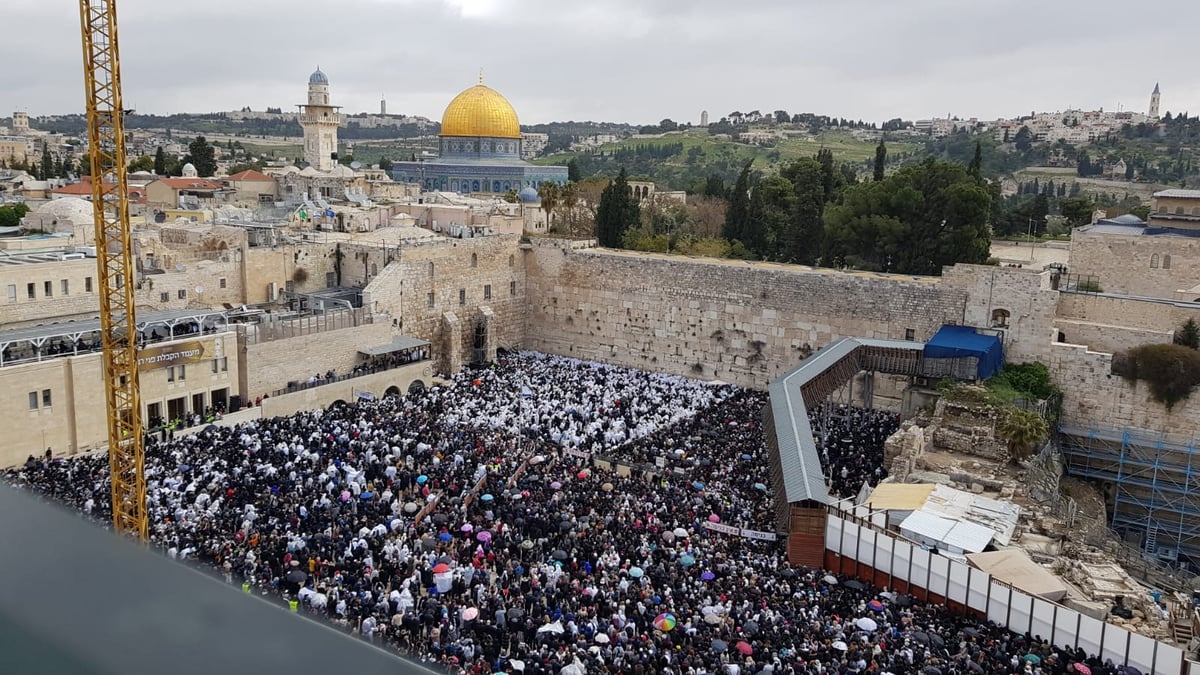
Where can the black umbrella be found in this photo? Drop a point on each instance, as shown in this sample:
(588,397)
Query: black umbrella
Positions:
(970,632)
(937,640)
(440,518)
(930,670)
(720,646)
(904,601)
(565,526)
(516,613)
(296,576)
(923,638)
(751,628)
(975,667)
(855,584)
(560,555)
(428,543)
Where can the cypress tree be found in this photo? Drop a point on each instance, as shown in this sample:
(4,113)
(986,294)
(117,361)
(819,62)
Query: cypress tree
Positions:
(738,213)
(880,160)
(160,162)
(976,167)
(616,212)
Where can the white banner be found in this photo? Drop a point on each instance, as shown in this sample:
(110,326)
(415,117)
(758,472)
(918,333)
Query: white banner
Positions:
(577,453)
(755,534)
(722,528)
(741,532)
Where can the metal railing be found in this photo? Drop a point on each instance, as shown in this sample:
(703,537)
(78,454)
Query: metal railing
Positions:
(283,329)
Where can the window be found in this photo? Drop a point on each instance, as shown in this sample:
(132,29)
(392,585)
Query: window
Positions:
(12,292)
(512,260)
(182,293)
(1179,210)
(430,270)
(1000,318)
(215,366)
(474,260)
(429,300)
(45,398)
(487,291)
(1166,261)
(31,290)
(374,269)
(330,279)
(170,373)
(910,334)
(87,285)
(65,287)
(512,288)
(48,287)
(164,297)
(221,283)
(289,285)
(224,364)
(182,373)
(33,400)
(462,296)
(1154,261)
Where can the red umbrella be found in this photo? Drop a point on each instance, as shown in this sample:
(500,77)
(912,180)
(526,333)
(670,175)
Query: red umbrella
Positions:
(744,647)
(1083,669)
(441,568)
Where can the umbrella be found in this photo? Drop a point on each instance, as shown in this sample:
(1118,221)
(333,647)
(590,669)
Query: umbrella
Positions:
(904,601)
(936,640)
(607,487)
(875,606)
(760,486)
(517,665)
(707,575)
(484,536)
(486,498)
(921,637)
(698,485)
(975,667)
(555,627)
(1083,669)
(1034,658)
(582,475)
(365,495)
(840,646)
(888,595)
(296,576)
(467,528)
(428,543)
(866,624)
(565,526)
(445,536)
(719,646)
(411,508)
(422,479)
(184,468)
(930,670)
(680,532)
(687,560)
(441,518)
(556,485)
(712,619)
(537,459)
(470,614)
(746,457)
(830,579)
(714,518)
(970,632)
(345,496)
(441,568)
(856,585)
(665,621)
(1130,670)
(516,613)
(668,536)
(560,555)
(744,648)
(602,638)
(527,544)
(636,572)
(751,628)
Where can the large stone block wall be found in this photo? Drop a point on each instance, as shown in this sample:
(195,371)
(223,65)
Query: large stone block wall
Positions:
(1129,312)
(266,266)
(1093,396)
(1102,337)
(745,323)
(22,311)
(462,272)
(1026,295)
(1122,264)
(271,365)
(377,384)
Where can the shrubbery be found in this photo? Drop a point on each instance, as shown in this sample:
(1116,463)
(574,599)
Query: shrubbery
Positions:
(1171,371)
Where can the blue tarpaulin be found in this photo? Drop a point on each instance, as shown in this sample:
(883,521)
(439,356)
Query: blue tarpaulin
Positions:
(957,342)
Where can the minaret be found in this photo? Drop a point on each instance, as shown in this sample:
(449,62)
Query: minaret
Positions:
(320,122)
(1154,99)
(704,118)
(382,105)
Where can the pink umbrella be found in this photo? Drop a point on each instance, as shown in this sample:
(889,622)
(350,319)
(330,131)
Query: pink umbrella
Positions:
(745,648)
(556,485)
(1083,669)
(345,496)
(714,518)
(582,475)
(484,536)
(470,614)
(467,527)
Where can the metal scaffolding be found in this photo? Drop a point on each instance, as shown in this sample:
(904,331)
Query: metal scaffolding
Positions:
(1155,485)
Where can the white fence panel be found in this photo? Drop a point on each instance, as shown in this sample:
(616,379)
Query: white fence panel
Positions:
(939,574)
(902,556)
(883,554)
(998,608)
(1169,660)
(959,574)
(850,539)
(866,546)
(1090,631)
(1115,641)
(833,533)
(920,568)
(1020,614)
(1042,624)
(978,598)
(1141,653)
(1066,627)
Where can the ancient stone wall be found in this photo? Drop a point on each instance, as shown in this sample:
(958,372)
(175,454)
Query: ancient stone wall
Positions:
(1133,265)
(1018,302)
(1127,312)
(741,322)
(272,364)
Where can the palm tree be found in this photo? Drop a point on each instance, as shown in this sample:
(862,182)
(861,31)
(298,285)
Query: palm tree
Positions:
(1023,431)
(569,195)
(548,192)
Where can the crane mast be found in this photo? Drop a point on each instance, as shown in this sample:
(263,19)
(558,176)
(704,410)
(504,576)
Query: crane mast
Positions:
(110,200)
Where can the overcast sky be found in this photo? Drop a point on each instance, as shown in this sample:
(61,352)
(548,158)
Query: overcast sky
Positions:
(622,60)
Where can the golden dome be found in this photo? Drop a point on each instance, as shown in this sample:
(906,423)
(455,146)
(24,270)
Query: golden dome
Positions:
(480,112)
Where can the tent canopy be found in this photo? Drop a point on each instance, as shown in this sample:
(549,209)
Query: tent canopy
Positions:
(957,342)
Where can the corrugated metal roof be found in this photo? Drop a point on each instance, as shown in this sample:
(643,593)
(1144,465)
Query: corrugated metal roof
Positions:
(968,537)
(927,526)
(899,496)
(996,515)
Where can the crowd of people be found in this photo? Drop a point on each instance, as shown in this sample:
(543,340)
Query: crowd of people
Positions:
(470,526)
(851,441)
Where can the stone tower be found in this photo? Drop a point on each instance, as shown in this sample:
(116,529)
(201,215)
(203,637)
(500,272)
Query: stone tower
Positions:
(383,106)
(703,118)
(320,122)
(20,123)
(1154,100)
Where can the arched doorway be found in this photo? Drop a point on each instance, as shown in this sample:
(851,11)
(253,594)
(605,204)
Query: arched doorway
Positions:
(392,391)
(416,386)
(337,404)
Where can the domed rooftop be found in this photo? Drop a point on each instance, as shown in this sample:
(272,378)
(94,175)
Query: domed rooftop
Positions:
(318,77)
(74,209)
(480,112)
(529,195)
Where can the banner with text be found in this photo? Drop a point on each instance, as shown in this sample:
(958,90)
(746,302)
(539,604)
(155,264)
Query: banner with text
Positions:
(176,353)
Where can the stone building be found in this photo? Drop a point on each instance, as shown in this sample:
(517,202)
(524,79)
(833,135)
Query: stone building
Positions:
(320,120)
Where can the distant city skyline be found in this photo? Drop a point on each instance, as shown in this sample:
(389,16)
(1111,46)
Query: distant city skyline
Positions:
(621,60)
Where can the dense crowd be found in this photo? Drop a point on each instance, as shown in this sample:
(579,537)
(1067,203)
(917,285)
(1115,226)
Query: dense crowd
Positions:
(850,441)
(464,526)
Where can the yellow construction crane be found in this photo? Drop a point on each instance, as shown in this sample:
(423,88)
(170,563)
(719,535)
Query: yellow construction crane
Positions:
(118,325)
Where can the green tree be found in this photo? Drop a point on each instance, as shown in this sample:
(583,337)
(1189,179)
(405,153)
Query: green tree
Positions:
(714,186)
(1077,211)
(975,169)
(769,231)
(143,163)
(1023,431)
(880,160)
(11,215)
(160,162)
(573,174)
(1037,219)
(47,161)
(548,194)
(245,166)
(738,213)
(801,242)
(202,156)
(385,164)
(916,221)
(1188,334)
(1024,140)
(616,212)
